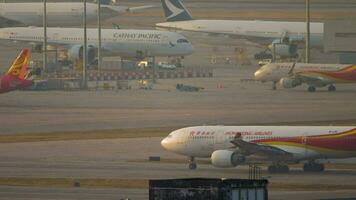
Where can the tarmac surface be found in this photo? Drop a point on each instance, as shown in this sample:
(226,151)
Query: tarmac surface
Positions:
(127,159)
(226,99)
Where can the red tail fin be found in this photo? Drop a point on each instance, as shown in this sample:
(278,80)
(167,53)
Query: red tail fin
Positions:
(19,66)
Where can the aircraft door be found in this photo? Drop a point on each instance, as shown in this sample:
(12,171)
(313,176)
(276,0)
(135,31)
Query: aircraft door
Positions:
(182,141)
(304,141)
(219,140)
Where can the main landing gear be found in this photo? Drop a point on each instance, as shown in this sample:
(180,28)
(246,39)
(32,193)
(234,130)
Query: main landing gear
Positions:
(331,88)
(311,89)
(278,168)
(192,163)
(313,166)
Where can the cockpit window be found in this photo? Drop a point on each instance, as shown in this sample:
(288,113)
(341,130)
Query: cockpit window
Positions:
(182,41)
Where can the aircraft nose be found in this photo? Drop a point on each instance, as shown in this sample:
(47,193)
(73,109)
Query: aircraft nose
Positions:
(258,75)
(190,48)
(165,143)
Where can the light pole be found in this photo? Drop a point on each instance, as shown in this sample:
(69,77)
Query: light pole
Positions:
(44,35)
(99,35)
(307,39)
(85,59)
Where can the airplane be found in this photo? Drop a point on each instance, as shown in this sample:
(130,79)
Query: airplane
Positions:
(262,32)
(228,146)
(16,77)
(291,75)
(59,13)
(131,44)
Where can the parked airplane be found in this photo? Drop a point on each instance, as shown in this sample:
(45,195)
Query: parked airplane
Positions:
(263,32)
(291,75)
(228,146)
(132,44)
(15,77)
(59,13)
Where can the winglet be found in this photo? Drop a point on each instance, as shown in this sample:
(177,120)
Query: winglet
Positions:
(174,10)
(19,66)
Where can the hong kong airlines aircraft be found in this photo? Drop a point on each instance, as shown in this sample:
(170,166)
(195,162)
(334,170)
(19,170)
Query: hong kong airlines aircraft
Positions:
(15,77)
(291,75)
(228,146)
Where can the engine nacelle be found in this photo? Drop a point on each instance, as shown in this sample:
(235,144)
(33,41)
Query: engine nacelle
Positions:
(75,53)
(290,82)
(226,158)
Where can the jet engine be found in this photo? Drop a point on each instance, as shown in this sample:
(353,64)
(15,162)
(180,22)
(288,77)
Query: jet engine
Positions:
(76,53)
(284,48)
(37,48)
(295,39)
(107,2)
(290,82)
(226,158)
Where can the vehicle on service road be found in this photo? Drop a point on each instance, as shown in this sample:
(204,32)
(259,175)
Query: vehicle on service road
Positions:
(16,77)
(228,146)
(291,75)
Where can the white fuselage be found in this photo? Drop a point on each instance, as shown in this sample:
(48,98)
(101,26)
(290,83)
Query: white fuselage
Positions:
(58,14)
(202,141)
(120,42)
(262,31)
(277,71)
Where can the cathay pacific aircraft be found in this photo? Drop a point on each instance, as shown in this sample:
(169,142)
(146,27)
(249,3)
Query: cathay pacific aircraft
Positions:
(264,32)
(129,43)
(59,13)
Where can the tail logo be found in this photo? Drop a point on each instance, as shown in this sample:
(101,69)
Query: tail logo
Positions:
(18,68)
(175,11)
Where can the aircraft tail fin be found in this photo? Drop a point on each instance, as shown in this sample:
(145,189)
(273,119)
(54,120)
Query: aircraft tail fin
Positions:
(19,66)
(174,10)
(116,26)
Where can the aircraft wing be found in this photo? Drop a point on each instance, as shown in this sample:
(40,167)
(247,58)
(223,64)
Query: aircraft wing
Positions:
(249,148)
(5,22)
(313,78)
(139,8)
(123,9)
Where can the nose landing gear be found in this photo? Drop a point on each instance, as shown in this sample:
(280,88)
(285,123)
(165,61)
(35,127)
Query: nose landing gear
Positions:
(192,163)
(274,85)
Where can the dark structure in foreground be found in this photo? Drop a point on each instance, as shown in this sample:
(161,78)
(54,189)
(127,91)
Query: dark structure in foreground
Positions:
(208,189)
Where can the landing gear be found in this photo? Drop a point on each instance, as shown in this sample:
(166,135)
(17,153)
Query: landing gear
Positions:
(313,167)
(192,163)
(331,88)
(274,85)
(278,168)
(311,89)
